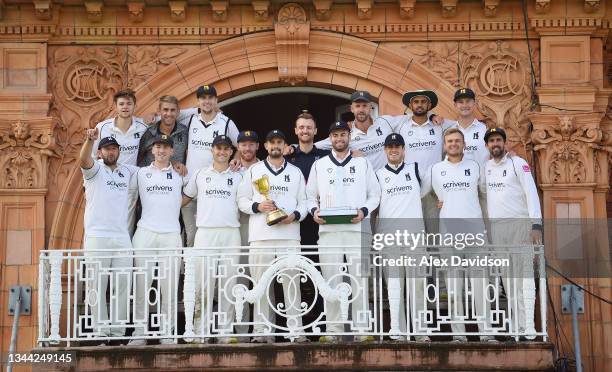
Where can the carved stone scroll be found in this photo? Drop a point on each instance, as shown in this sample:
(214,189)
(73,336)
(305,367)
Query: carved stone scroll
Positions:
(292,30)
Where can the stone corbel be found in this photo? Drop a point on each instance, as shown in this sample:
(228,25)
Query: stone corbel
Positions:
(591,6)
(261,9)
(364,9)
(42,9)
(292,31)
(406,8)
(566,145)
(449,8)
(25,147)
(219,10)
(542,6)
(490,7)
(322,9)
(178,10)
(136,10)
(94,10)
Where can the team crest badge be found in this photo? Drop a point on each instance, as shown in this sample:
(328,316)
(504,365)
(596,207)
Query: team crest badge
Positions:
(215,133)
(467,172)
(352,169)
(329,170)
(410,133)
(195,130)
(504,173)
(149,175)
(387,179)
(287,179)
(475,135)
(408,177)
(230,181)
(443,173)
(432,132)
(169,176)
(207,179)
(136,135)
(379,131)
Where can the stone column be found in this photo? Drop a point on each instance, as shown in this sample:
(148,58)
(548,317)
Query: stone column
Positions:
(26,142)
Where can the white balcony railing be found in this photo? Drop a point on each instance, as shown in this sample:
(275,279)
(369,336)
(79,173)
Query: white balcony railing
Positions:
(72,296)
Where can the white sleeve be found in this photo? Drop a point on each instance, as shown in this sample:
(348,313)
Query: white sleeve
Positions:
(302,201)
(245,193)
(90,173)
(426,184)
(132,200)
(232,132)
(312,189)
(184,115)
(435,184)
(529,188)
(191,188)
(448,124)
(324,144)
(482,180)
(373,189)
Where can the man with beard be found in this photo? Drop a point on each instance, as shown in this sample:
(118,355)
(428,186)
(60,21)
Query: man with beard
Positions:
(287,189)
(159,187)
(423,143)
(457,182)
(341,180)
(203,128)
(303,157)
(216,188)
(167,125)
(110,187)
(400,210)
(516,219)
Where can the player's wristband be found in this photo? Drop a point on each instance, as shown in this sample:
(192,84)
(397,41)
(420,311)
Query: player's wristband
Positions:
(313,210)
(365,211)
(297,215)
(536,226)
(255,207)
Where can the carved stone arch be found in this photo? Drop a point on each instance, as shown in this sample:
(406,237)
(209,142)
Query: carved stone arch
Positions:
(250,62)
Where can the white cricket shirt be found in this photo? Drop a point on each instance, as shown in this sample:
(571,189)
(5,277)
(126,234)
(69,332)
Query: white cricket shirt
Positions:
(400,191)
(128,141)
(201,135)
(475,146)
(160,196)
(424,144)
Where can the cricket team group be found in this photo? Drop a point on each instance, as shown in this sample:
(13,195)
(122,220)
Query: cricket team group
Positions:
(190,178)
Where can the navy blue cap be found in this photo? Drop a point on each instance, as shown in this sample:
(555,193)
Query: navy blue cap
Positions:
(394,139)
(247,135)
(206,89)
(275,134)
(339,125)
(492,131)
(163,138)
(464,93)
(361,96)
(222,139)
(107,141)
(433,98)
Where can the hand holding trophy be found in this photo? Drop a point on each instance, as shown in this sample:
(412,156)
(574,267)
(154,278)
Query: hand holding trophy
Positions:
(263,187)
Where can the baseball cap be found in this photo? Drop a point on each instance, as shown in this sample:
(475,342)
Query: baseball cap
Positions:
(492,131)
(206,89)
(394,139)
(464,93)
(247,135)
(222,139)
(163,138)
(361,96)
(107,141)
(339,125)
(275,134)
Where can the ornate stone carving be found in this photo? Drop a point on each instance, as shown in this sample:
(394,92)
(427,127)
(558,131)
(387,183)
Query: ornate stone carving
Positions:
(500,76)
(25,146)
(490,7)
(177,10)
(591,6)
(440,58)
(364,9)
(42,9)
(322,9)
(449,8)
(406,8)
(260,9)
(566,145)
(219,10)
(136,11)
(542,6)
(94,10)
(145,61)
(292,30)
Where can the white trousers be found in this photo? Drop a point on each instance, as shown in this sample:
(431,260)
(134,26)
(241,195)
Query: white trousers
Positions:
(167,275)
(331,266)
(259,261)
(244,260)
(189,219)
(519,281)
(399,296)
(215,268)
(116,266)
(431,213)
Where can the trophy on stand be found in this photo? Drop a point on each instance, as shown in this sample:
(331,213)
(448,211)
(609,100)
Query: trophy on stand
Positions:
(263,187)
(335,215)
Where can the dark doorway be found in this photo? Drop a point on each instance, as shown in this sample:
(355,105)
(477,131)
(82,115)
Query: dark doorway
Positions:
(279,110)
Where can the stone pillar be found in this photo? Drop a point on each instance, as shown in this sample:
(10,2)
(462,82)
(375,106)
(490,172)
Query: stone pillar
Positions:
(573,144)
(26,142)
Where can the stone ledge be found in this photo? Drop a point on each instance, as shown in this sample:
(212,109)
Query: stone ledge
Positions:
(412,356)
